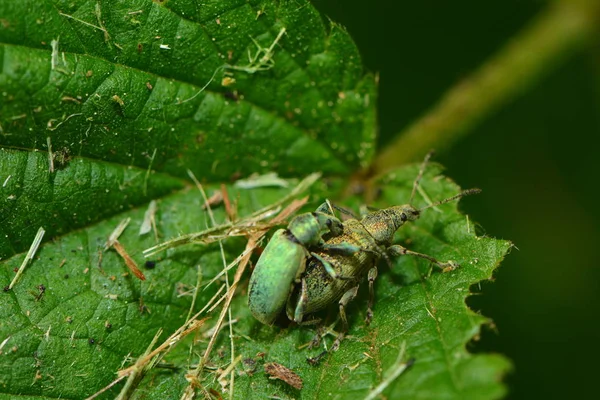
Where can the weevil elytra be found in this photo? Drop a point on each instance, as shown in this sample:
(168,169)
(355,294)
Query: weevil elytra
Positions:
(333,276)
(284,258)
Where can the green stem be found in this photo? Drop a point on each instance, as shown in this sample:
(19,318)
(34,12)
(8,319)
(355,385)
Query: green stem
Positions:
(564,27)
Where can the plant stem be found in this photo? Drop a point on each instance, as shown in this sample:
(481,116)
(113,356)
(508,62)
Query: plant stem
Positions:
(557,32)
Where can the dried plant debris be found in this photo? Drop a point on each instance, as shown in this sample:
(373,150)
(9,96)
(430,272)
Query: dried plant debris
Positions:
(278,371)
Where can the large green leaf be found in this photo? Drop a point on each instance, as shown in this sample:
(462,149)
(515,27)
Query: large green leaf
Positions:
(141,85)
(418,309)
(106,104)
(166,60)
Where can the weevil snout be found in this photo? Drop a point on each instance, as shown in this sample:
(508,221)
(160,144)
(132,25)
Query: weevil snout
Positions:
(407,213)
(398,215)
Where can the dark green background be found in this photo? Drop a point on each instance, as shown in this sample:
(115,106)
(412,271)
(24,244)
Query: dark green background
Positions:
(536,160)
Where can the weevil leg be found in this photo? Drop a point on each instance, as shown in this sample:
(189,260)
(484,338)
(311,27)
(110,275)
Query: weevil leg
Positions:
(329,268)
(316,341)
(372,276)
(346,298)
(299,316)
(387,259)
(296,313)
(341,248)
(345,249)
(299,311)
(317,359)
(401,250)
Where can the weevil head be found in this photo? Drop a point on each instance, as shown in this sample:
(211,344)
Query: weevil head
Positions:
(401,214)
(382,224)
(335,226)
(309,228)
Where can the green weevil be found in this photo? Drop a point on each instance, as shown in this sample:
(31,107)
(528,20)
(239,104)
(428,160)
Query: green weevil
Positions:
(332,276)
(284,258)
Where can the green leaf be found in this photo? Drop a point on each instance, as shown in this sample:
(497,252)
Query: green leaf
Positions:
(415,308)
(90,296)
(106,105)
(116,81)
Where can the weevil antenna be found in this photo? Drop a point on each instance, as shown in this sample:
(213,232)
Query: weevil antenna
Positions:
(420,175)
(345,211)
(467,192)
(330,207)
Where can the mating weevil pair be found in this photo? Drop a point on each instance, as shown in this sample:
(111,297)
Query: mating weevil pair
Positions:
(319,260)
(284,259)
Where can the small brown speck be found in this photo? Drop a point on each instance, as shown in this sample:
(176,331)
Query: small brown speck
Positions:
(42,290)
(215,394)
(278,371)
(214,200)
(249,366)
(235,176)
(231,95)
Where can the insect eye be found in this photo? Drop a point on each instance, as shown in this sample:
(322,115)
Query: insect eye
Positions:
(403,217)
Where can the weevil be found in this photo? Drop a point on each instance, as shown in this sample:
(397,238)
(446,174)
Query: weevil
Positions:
(334,276)
(284,259)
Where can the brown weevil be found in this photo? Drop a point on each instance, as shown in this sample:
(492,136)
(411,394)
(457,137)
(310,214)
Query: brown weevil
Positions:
(333,276)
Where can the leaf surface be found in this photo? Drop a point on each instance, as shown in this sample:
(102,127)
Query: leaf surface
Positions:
(418,309)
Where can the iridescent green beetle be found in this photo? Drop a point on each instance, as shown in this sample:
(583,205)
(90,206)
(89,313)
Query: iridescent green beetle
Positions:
(283,261)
